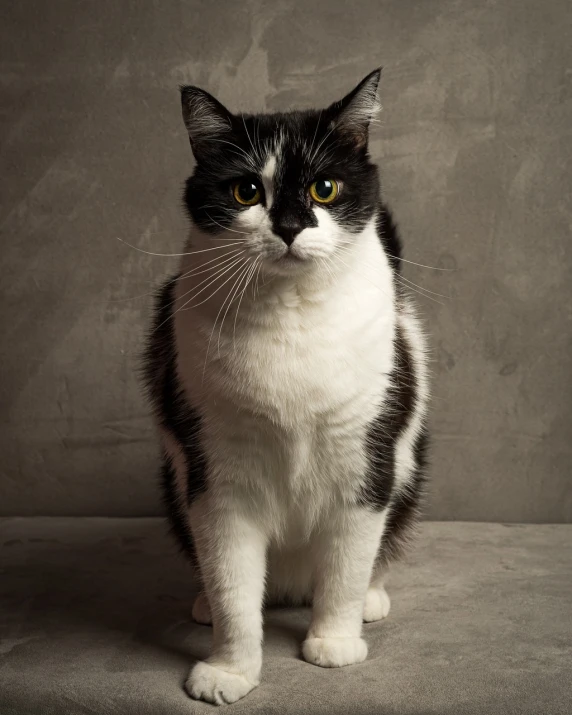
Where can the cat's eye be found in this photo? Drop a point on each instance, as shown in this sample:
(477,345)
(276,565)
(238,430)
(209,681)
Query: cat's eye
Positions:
(324,191)
(246,192)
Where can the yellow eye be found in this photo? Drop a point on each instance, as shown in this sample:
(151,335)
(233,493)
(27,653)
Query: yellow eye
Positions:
(324,191)
(246,192)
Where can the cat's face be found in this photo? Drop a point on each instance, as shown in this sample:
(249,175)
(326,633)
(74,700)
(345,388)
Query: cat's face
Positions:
(290,189)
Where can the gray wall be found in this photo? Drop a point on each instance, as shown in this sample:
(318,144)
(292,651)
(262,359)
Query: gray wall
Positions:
(474,145)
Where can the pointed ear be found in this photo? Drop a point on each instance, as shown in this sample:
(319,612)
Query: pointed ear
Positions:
(205,117)
(353,114)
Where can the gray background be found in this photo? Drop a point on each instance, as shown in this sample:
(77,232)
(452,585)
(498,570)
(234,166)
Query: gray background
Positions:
(474,144)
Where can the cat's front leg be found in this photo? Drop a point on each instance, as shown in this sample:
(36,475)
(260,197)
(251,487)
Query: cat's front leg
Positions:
(344,554)
(232,551)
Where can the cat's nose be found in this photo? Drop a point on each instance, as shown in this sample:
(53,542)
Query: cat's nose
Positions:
(288,231)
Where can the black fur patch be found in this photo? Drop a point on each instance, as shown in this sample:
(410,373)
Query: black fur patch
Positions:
(405,509)
(389,237)
(392,421)
(174,414)
(382,440)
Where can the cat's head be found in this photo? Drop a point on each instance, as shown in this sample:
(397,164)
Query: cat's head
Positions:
(289,188)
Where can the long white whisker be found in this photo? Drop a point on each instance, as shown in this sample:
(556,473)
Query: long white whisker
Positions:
(233,240)
(309,152)
(214,279)
(234,291)
(171,255)
(176,278)
(321,143)
(255,155)
(209,281)
(172,315)
(422,265)
(227,258)
(243,233)
(217,315)
(407,287)
(255,290)
(248,281)
(402,278)
(196,305)
(246,154)
(214,324)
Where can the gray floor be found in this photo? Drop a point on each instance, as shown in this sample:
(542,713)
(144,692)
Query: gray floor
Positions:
(95,619)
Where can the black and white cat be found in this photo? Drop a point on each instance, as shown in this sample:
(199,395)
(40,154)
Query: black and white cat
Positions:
(287,371)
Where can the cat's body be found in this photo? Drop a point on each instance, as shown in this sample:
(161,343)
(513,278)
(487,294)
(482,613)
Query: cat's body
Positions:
(289,385)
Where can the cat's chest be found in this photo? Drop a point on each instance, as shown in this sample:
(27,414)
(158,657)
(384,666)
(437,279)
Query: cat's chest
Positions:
(308,365)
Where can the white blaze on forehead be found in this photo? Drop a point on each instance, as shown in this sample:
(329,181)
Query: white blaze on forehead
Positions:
(268,178)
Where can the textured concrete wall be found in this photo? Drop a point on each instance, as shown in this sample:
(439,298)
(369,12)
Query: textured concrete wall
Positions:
(474,144)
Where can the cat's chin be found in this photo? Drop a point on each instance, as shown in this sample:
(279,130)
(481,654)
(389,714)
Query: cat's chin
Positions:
(288,265)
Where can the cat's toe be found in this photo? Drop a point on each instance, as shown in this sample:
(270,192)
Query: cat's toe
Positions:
(216,686)
(202,611)
(376,605)
(334,652)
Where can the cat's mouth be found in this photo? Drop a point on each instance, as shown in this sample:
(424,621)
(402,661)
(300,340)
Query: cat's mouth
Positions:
(288,262)
(290,257)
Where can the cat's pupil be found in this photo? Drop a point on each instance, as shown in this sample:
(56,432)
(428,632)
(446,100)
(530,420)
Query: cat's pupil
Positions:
(324,188)
(247,190)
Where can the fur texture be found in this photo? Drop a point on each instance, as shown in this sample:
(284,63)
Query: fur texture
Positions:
(287,372)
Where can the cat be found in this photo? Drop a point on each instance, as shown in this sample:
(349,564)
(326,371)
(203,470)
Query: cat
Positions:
(287,372)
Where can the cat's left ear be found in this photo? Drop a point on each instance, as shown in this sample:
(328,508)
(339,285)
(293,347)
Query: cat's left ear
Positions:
(352,114)
(206,119)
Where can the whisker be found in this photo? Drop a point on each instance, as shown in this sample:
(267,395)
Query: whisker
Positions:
(244,233)
(255,155)
(405,260)
(171,255)
(177,278)
(309,152)
(196,305)
(172,315)
(255,288)
(246,154)
(321,143)
(192,297)
(234,240)
(366,278)
(194,271)
(402,278)
(209,281)
(403,285)
(232,293)
(422,265)
(248,281)
(239,269)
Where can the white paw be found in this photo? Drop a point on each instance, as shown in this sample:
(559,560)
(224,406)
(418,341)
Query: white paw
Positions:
(216,686)
(202,611)
(376,605)
(334,652)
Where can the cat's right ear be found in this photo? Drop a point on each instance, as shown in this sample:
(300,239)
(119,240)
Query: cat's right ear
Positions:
(206,119)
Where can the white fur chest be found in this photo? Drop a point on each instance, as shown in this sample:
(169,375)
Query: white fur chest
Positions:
(296,354)
(287,397)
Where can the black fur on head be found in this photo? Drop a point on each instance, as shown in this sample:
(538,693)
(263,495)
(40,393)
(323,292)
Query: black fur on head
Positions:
(306,145)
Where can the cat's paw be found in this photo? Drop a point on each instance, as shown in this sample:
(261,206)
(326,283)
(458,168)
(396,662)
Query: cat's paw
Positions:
(216,686)
(334,652)
(202,611)
(376,605)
